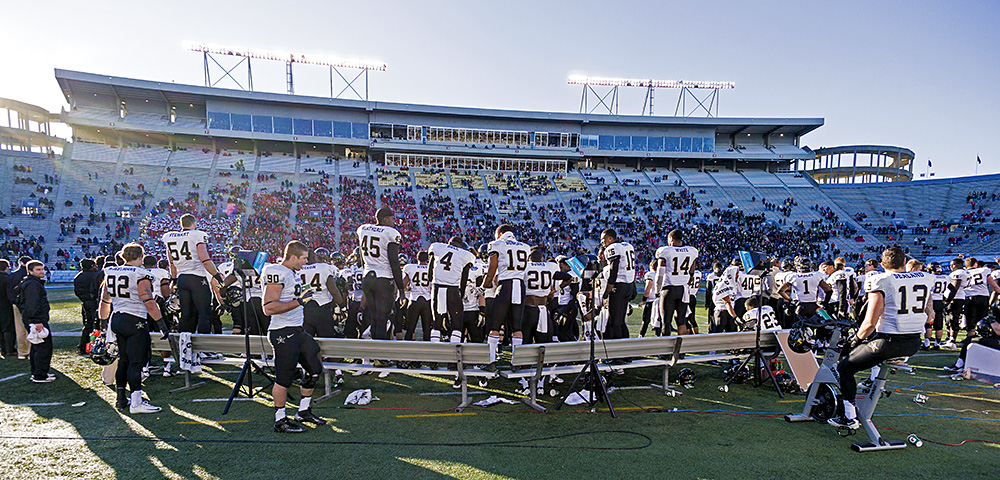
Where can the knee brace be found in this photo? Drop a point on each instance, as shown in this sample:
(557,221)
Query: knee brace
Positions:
(310,380)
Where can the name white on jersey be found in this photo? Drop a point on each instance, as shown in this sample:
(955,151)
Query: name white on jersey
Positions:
(906,296)
(316,275)
(538,279)
(449,263)
(375,241)
(122,285)
(679,261)
(182,248)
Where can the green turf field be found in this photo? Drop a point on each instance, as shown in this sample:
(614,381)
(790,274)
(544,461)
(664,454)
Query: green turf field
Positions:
(410,435)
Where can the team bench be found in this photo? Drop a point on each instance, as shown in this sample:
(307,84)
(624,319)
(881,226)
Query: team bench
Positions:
(537,360)
(459,360)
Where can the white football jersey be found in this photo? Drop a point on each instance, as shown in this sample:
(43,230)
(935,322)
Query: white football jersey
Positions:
(316,275)
(906,296)
(838,276)
(182,248)
(748,285)
(720,291)
(940,287)
(566,293)
(473,289)
(375,241)
(159,275)
(353,274)
(679,261)
(769,321)
(225,268)
(291,287)
(512,257)
(805,285)
(449,263)
(420,281)
(650,293)
(977,282)
(122,286)
(964,279)
(538,279)
(625,252)
(692,287)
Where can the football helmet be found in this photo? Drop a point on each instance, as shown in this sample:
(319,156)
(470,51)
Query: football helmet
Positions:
(337,258)
(233,296)
(686,377)
(233,250)
(984,329)
(403,259)
(736,374)
(484,251)
(787,383)
(323,255)
(802,264)
(103,352)
(800,339)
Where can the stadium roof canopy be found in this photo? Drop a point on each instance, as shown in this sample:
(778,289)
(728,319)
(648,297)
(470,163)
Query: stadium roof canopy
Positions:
(76,86)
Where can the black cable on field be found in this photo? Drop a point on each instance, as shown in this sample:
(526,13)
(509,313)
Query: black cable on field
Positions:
(521,443)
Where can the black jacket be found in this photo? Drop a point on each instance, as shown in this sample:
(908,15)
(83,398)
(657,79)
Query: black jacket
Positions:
(83,286)
(36,301)
(15,278)
(6,308)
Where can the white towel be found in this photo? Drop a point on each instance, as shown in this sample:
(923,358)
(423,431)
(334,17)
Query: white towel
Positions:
(602,319)
(360,397)
(189,360)
(543,319)
(517,292)
(656,319)
(493,400)
(35,336)
(440,300)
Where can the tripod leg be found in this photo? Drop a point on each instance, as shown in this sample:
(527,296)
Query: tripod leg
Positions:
(769,374)
(604,390)
(236,387)
(571,386)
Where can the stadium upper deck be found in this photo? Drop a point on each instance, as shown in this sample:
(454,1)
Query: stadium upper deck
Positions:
(121,109)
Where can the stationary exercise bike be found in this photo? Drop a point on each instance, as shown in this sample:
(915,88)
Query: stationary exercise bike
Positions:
(823,399)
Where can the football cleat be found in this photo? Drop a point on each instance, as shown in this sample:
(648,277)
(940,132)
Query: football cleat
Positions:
(308,416)
(143,407)
(457,384)
(841,421)
(338,380)
(482,382)
(287,426)
(168,370)
(952,369)
(383,374)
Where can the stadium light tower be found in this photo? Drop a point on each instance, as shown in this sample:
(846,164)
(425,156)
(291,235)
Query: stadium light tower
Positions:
(209,51)
(707,103)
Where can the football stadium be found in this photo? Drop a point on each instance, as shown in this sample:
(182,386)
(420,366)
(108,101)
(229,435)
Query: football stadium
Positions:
(217,281)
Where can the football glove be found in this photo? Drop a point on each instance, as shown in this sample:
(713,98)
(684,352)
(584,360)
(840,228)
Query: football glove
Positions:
(164,330)
(481,320)
(305,296)
(173,304)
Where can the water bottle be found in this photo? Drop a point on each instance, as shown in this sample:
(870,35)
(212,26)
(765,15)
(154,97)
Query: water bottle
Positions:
(915,441)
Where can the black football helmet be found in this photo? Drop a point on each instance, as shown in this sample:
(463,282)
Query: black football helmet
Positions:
(802,264)
(984,329)
(233,250)
(337,259)
(686,377)
(800,339)
(787,383)
(103,352)
(323,254)
(484,251)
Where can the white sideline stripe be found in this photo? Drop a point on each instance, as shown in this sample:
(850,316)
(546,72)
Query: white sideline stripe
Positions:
(635,387)
(453,393)
(225,399)
(12,377)
(51,404)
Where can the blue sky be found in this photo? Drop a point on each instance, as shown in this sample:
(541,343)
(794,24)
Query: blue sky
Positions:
(916,74)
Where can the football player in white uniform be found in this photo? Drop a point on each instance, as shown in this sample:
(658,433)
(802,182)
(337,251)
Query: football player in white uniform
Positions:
(449,274)
(284,297)
(839,281)
(540,285)
(567,306)
(474,305)
(380,252)
(353,274)
(691,292)
(936,328)
(417,285)
(955,302)
(805,284)
(649,292)
(977,294)
(724,296)
(127,298)
(620,269)
(899,305)
(710,280)
(161,290)
(321,276)
(193,269)
(676,265)
(508,260)
(768,319)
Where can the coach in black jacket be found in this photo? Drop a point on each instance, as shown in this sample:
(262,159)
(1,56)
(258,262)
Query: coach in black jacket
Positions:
(83,288)
(15,279)
(8,335)
(35,314)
